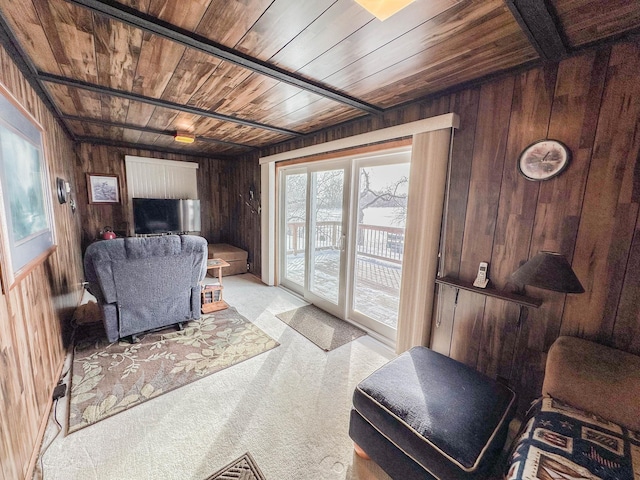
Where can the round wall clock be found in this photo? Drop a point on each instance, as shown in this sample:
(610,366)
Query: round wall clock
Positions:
(543,159)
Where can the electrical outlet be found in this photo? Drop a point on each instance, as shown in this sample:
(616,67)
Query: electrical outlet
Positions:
(60,391)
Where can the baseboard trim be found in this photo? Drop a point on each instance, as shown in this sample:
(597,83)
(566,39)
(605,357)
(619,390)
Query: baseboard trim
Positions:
(43,425)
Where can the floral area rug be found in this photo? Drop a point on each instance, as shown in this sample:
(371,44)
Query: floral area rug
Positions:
(109,378)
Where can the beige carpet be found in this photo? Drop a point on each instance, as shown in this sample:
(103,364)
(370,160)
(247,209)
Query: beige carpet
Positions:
(110,378)
(289,407)
(243,468)
(322,328)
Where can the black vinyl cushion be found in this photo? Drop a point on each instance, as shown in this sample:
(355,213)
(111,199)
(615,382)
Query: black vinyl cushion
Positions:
(447,417)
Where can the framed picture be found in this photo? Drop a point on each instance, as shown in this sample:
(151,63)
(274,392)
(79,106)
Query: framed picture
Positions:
(103,188)
(26,212)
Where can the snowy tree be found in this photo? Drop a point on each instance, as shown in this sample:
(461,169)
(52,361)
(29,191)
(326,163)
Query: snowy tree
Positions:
(329,194)
(392,195)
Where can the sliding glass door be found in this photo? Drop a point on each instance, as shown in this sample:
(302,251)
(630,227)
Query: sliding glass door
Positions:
(342,236)
(326,241)
(312,240)
(380,201)
(293,238)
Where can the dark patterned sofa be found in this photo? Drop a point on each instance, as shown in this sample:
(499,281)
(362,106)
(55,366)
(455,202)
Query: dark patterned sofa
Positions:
(587,422)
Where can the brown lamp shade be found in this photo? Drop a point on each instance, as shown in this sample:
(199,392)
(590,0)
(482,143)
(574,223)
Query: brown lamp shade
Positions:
(550,271)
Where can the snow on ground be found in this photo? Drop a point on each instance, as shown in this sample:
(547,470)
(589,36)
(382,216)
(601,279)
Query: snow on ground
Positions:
(377,284)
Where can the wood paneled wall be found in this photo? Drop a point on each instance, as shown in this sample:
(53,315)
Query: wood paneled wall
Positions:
(589,213)
(243,217)
(34,312)
(105,159)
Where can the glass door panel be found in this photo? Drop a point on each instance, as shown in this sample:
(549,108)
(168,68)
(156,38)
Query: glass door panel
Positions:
(381,214)
(323,203)
(326,242)
(295,220)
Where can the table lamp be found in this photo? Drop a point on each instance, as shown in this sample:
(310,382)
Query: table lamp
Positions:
(550,271)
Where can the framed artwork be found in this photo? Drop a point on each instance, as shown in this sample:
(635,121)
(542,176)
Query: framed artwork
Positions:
(26,215)
(543,160)
(103,188)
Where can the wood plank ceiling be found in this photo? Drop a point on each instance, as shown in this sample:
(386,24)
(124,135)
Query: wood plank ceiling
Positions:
(247,74)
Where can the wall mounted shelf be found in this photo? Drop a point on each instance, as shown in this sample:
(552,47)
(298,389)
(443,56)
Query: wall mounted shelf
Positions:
(522,300)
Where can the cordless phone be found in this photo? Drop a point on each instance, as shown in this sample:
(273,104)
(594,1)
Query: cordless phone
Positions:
(481,280)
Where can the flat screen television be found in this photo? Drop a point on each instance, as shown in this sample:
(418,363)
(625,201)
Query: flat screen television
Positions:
(163,215)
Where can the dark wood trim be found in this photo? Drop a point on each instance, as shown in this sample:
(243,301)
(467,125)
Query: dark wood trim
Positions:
(28,69)
(540,26)
(43,423)
(491,292)
(164,29)
(70,82)
(157,131)
(32,265)
(152,148)
(632,35)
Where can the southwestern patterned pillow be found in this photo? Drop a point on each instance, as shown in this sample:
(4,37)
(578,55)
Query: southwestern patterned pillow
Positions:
(561,442)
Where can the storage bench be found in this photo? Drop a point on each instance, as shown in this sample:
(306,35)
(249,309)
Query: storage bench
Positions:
(426,416)
(234,256)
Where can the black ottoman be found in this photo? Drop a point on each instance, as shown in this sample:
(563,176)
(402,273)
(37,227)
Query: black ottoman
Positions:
(426,416)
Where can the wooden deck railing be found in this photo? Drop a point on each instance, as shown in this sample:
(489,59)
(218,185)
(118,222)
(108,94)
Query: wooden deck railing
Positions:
(384,243)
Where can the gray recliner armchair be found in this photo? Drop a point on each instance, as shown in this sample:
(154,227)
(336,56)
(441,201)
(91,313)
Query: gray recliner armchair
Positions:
(144,283)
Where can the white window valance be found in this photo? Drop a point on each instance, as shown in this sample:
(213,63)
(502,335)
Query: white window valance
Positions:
(159,178)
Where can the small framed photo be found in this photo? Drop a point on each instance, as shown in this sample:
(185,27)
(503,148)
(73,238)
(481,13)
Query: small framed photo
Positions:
(103,188)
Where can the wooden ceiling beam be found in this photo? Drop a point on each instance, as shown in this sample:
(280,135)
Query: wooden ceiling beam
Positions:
(70,82)
(190,39)
(541,26)
(157,131)
(22,60)
(152,148)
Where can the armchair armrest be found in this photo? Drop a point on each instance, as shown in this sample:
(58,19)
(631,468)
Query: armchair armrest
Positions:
(595,378)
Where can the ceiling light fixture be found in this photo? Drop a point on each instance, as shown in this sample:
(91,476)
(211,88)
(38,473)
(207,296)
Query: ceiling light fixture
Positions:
(383,9)
(184,137)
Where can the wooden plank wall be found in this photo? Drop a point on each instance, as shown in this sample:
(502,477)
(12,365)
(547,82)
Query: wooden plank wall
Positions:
(106,159)
(243,217)
(589,213)
(34,312)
